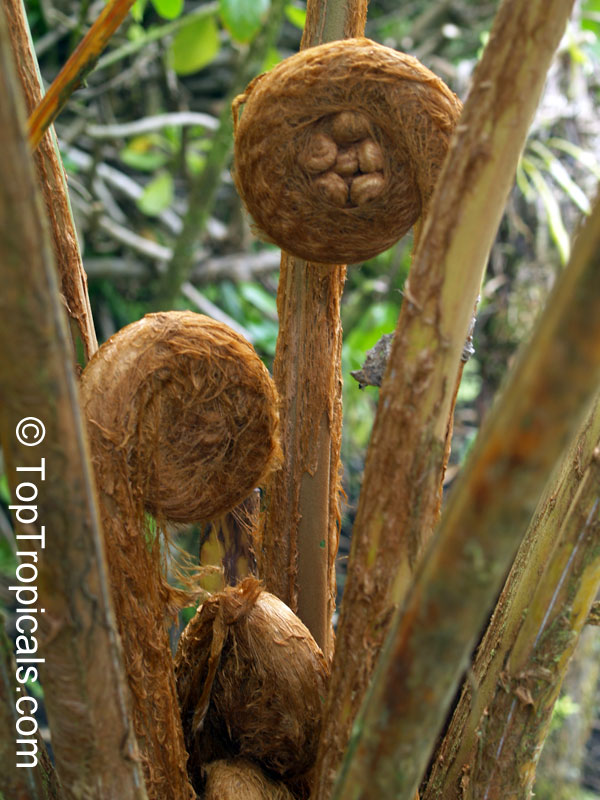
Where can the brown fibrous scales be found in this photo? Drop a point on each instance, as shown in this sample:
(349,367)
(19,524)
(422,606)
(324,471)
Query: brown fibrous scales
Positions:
(189,409)
(240,779)
(251,682)
(346,109)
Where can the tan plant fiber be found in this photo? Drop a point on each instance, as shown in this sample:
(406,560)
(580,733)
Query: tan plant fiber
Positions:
(338,148)
(251,682)
(240,779)
(192,407)
(182,422)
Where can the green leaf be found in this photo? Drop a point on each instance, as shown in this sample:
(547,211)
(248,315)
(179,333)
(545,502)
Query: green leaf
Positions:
(561,176)
(243,18)
(378,319)
(524,184)
(157,195)
(264,336)
(195,153)
(168,9)
(186,614)
(135,31)
(195,161)
(584,157)
(564,708)
(555,220)
(258,297)
(4,490)
(230,300)
(470,385)
(297,16)
(137,10)
(194,46)
(148,161)
(8,560)
(146,153)
(359,408)
(272,58)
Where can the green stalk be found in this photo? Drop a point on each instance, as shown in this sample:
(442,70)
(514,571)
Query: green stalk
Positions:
(396,515)
(521,710)
(434,633)
(508,648)
(82,673)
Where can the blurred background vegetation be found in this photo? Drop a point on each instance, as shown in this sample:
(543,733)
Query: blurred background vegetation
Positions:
(152,124)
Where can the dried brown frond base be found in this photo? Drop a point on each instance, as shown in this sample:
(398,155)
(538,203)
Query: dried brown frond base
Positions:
(239,779)
(251,682)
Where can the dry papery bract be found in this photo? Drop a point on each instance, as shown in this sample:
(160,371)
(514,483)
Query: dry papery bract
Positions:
(183,423)
(251,682)
(240,779)
(338,148)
